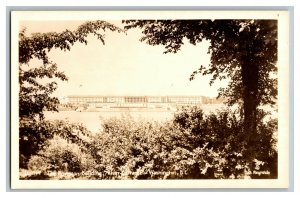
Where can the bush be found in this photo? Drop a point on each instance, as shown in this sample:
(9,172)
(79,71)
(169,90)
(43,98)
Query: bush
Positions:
(232,154)
(38,163)
(33,136)
(36,176)
(192,146)
(128,148)
(62,155)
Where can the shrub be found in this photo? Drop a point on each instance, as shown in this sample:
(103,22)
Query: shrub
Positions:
(222,135)
(63,155)
(36,176)
(128,148)
(38,163)
(33,136)
(193,145)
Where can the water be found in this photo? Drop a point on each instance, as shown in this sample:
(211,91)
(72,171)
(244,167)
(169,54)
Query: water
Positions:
(92,120)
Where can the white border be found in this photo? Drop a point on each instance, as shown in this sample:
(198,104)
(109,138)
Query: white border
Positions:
(283,62)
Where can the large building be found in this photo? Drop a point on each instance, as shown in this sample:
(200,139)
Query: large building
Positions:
(139,101)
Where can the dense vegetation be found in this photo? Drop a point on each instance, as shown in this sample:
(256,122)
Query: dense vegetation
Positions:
(35,96)
(191,146)
(242,51)
(226,144)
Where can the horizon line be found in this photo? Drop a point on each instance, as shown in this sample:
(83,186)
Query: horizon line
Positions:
(89,95)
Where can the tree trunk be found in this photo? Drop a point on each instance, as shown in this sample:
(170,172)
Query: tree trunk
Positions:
(250,75)
(250,103)
(250,85)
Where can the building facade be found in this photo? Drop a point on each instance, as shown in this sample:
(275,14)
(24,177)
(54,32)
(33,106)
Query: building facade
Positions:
(139,101)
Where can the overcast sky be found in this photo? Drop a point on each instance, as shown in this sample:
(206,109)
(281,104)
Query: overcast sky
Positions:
(126,66)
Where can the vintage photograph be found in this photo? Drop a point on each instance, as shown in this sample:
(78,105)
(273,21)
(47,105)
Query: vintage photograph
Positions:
(149,96)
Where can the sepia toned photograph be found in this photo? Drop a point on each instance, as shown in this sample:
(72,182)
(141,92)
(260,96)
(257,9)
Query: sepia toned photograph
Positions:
(158,99)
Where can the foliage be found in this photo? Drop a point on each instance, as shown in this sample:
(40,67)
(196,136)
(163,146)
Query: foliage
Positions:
(230,42)
(34,95)
(126,146)
(222,134)
(193,146)
(243,51)
(34,175)
(37,163)
(61,154)
(35,134)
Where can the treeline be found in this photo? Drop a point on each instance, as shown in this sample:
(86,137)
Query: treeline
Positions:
(192,145)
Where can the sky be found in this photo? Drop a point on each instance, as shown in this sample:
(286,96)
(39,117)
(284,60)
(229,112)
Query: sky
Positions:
(125,65)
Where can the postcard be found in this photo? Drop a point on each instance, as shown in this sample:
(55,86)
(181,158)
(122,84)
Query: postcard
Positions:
(149,99)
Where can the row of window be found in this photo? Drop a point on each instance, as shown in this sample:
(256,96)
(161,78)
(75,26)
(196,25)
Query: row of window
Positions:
(143,99)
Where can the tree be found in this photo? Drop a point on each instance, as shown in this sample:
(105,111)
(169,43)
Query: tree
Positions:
(244,51)
(34,96)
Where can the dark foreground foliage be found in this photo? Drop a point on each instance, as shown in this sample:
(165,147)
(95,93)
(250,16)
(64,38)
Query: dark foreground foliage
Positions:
(191,146)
